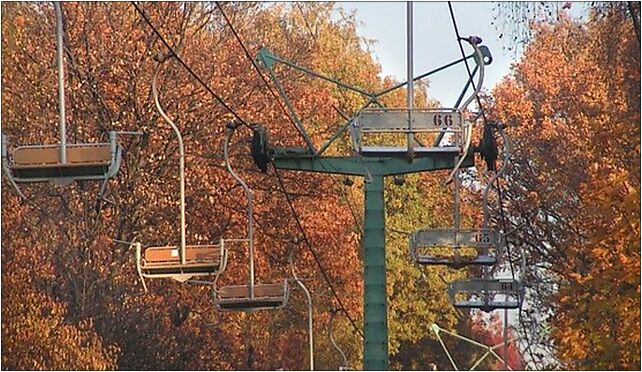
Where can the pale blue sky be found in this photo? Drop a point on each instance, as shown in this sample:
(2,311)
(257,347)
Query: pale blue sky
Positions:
(434,41)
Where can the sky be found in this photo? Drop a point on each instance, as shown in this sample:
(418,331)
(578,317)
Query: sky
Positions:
(435,43)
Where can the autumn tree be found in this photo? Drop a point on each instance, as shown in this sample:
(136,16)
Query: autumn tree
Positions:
(109,66)
(65,277)
(573,192)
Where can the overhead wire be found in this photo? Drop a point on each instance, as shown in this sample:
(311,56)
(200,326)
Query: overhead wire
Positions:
(187,67)
(243,122)
(280,180)
(256,67)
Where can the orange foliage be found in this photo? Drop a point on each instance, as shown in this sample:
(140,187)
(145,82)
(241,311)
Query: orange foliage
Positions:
(65,241)
(575,102)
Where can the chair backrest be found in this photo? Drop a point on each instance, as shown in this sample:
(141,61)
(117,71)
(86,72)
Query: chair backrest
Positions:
(396,120)
(485,286)
(481,238)
(77,154)
(196,253)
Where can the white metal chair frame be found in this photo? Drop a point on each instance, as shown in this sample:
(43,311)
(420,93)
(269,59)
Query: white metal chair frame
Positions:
(345,366)
(305,290)
(486,288)
(487,243)
(411,121)
(270,302)
(183,270)
(62,172)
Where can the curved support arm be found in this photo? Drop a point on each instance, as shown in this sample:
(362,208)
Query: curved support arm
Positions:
(497,174)
(181,153)
(222,268)
(231,127)
(464,152)
(139,270)
(479,59)
(334,343)
(309,298)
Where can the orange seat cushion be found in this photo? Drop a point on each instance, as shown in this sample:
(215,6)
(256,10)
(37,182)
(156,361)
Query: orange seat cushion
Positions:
(260,290)
(193,253)
(46,156)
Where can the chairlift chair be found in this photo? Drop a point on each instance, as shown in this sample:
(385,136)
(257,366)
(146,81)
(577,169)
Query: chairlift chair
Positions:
(181,262)
(252,296)
(165,262)
(385,121)
(245,298)
(396,123)
(458,248)
(486,294)
(61,163)
(43,163)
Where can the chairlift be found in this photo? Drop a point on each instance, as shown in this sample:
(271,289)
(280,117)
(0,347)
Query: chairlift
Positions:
(62,163)
(458,248)
(486,293)
(181,262)
(455,248)
(411,123)
(253,296)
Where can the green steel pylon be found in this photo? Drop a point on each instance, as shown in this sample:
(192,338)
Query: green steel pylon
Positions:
(374,168)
